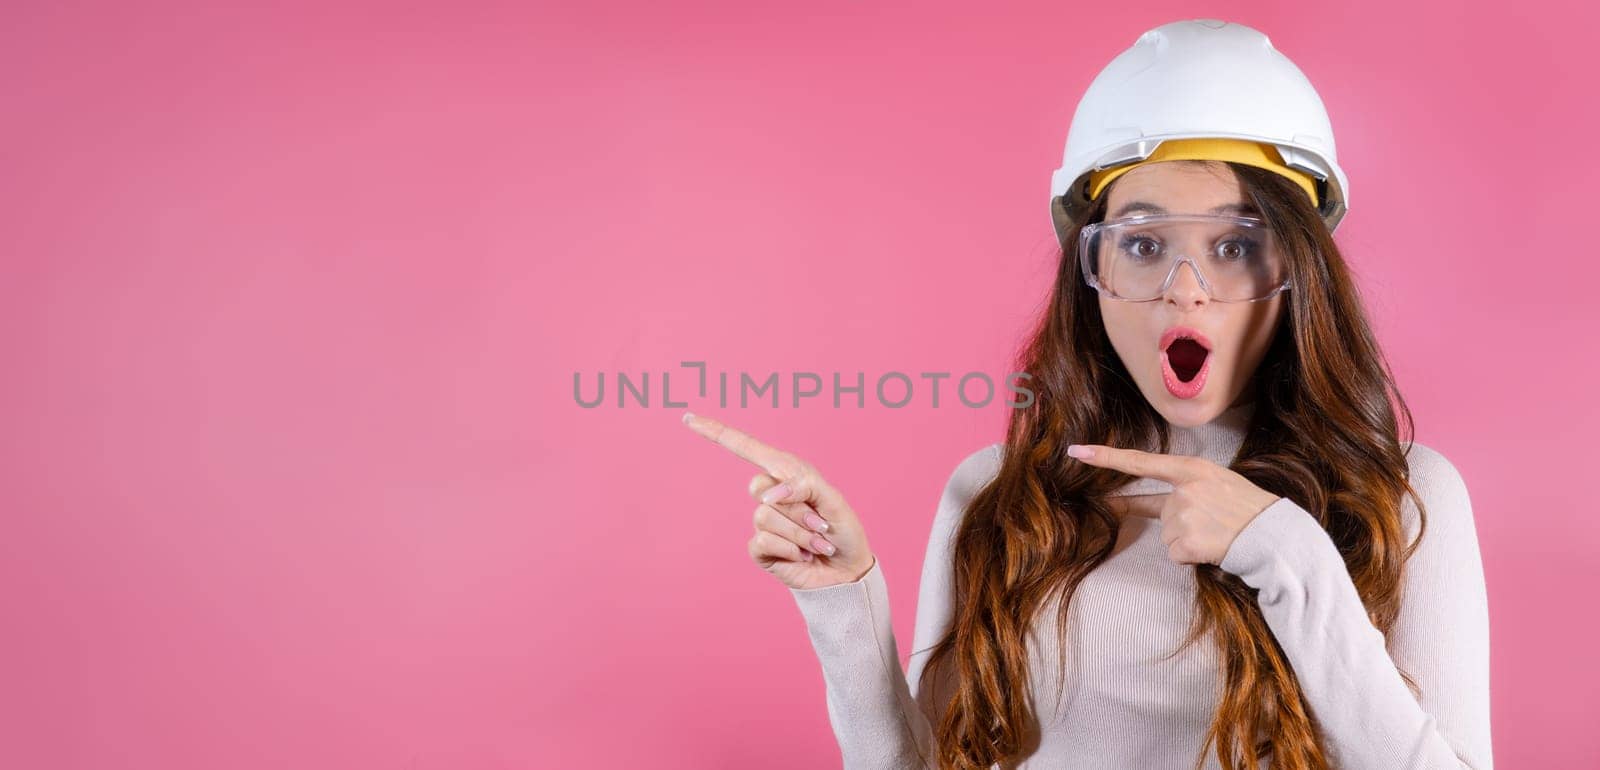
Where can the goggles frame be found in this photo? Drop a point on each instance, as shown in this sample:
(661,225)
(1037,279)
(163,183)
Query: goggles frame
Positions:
(1091,234)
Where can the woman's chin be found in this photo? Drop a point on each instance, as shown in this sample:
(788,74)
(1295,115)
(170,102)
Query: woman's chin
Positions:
(1189,412)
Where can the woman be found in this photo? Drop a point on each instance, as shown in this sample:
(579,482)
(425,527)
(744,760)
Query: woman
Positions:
(1204,543)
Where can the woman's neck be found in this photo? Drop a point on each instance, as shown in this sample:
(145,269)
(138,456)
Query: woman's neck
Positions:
(1217,441)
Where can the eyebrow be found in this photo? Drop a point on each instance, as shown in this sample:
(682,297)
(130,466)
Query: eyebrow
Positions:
(1226,208)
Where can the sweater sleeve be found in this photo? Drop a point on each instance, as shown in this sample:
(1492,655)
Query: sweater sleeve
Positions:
(883,717)
(1369,718)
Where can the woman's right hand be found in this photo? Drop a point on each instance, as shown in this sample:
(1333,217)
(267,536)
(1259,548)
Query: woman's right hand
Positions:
(806,534)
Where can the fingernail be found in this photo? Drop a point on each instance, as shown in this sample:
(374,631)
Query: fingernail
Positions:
(1078,451)
(804,554)
(816,522)
(824,546)
(687,416)
(776,493)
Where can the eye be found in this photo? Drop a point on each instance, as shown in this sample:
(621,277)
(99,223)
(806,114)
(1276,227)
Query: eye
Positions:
(1235,249)
(1141,246)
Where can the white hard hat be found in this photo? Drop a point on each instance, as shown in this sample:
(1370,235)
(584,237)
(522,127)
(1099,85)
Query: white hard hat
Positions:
(1194,79)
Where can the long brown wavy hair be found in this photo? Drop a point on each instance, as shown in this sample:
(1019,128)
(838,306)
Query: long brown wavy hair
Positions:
(1324,434)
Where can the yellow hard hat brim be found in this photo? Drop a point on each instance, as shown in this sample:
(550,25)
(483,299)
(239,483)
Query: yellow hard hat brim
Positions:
(1258,154)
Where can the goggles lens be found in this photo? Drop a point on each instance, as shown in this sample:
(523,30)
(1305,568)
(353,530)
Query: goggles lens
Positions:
(1137,258)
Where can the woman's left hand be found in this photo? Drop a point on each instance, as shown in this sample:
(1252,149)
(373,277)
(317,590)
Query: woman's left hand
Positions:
(1208,507)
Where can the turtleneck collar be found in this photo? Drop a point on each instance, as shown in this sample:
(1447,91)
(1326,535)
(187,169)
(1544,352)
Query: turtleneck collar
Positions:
(1217,441)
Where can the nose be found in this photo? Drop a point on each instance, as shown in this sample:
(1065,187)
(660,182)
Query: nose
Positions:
(1184,289)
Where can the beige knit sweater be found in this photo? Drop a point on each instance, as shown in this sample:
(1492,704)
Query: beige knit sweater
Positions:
(1125,707)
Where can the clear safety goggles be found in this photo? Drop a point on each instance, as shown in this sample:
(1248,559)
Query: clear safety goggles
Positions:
(1137,258)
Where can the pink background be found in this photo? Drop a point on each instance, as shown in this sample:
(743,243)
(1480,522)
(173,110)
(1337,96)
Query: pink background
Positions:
(292,472)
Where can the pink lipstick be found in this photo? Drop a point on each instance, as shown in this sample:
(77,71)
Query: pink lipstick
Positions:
(1185,361)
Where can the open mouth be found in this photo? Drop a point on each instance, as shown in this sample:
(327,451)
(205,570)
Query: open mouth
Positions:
(1185,360)
(1186,356)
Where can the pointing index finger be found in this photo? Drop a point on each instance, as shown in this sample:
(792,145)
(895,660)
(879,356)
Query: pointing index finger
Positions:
(771,460)
(1172,469)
